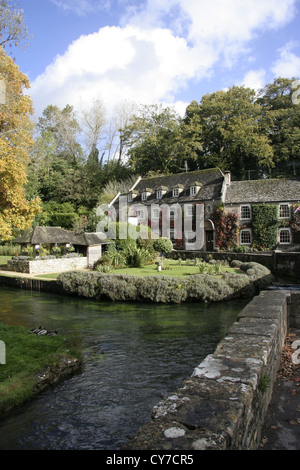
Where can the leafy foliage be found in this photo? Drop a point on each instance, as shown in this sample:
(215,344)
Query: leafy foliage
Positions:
(163,245)
(265,225)
(226,228)
(166,289)
(16,213)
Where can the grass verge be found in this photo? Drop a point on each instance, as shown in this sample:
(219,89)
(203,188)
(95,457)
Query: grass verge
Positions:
(32,363)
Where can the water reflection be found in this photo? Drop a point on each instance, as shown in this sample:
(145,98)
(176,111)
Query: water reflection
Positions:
(134,356)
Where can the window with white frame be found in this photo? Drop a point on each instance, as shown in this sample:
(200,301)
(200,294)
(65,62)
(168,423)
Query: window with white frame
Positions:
(140,213)
(175,192)
(144,196)
(155,213)
(193,190)
(188,210)
(159,194)
(284,211)
(130,197)
(245,212)
(245,237)
(285,237)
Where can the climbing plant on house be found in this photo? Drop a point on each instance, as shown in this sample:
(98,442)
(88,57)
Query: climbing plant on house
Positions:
(295,223)
(264,226)
(226,228)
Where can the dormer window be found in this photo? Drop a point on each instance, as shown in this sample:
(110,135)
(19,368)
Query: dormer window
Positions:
(177,190)
(195,188)
(131,196)
(161,191)
(145,194)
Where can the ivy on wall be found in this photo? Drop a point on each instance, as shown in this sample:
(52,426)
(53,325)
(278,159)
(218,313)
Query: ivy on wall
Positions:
(226,228)
(265,226)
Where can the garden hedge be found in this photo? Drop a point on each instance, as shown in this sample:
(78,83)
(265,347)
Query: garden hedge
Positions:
(165,289)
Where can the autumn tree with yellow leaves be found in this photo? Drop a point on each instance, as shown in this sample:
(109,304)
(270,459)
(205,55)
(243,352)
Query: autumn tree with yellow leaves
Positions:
(16,213)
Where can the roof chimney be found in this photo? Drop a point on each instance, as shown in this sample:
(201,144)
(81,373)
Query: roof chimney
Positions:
(227,176)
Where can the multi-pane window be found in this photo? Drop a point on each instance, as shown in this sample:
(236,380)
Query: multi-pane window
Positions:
(175,192)
(188,210)
(285,236)
(245,212)
(284,211)
(193,190)
(155,213)
(140,214)
(159,194)
(245,237)
(144,196)
(129,197)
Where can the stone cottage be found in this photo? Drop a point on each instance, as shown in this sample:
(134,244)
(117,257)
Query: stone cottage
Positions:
(211,188)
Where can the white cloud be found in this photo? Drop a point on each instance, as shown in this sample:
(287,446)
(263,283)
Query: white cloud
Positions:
(157,48)
(117,63)
(254,79)
(288,64)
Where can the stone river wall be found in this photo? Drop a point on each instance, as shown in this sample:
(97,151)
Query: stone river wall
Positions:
(222,406)
(224,403)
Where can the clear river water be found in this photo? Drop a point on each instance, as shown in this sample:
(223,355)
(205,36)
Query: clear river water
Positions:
(134,356)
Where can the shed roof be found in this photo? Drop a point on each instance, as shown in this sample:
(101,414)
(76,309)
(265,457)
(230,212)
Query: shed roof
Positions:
(44,235)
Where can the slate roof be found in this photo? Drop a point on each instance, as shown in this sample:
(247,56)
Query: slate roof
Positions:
(211,181)
(89,239)
(45,235)
(263,191)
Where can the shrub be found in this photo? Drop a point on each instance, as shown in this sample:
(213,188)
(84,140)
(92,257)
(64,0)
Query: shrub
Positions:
(165,289)
(163,245)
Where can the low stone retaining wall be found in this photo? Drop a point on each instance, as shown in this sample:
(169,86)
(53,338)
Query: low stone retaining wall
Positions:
(222,406)
(46,266)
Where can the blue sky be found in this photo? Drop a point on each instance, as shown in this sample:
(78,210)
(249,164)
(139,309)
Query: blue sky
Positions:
(150,51)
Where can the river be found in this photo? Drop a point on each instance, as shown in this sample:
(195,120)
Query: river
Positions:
(134,355)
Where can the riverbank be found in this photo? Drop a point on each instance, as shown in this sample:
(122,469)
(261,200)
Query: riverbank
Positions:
(33,363)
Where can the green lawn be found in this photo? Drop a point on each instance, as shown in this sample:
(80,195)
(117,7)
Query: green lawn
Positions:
(26,355)
(170,267)
(176,269)
(3,260)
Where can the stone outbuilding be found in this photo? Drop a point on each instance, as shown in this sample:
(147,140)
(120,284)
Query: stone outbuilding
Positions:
(63,244)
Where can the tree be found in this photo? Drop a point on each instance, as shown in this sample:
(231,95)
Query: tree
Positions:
(281,120)
(227,124)
(12,27)
(152,140)
(16,213)
(93,122)
(62,124)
